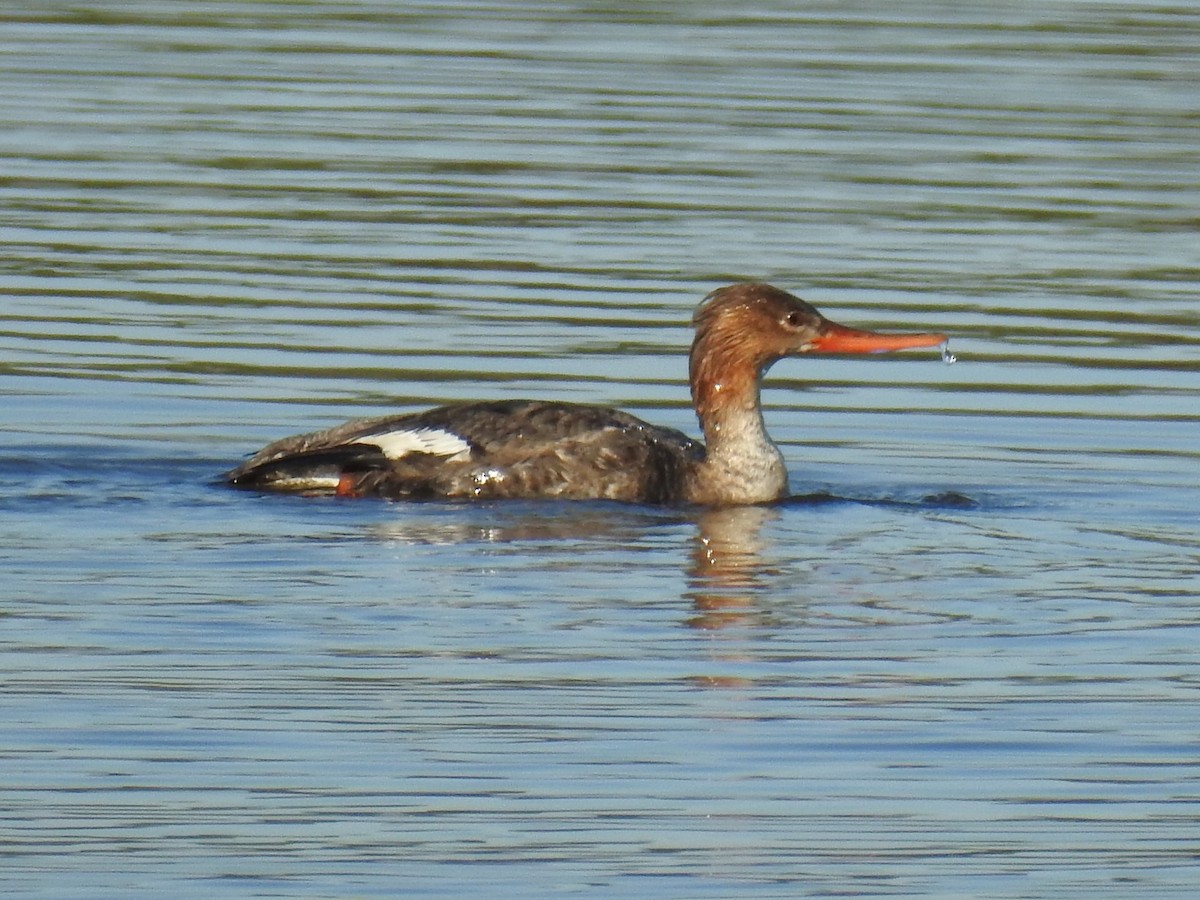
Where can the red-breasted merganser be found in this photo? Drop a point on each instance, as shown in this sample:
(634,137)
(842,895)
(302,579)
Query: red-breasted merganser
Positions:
(532,449)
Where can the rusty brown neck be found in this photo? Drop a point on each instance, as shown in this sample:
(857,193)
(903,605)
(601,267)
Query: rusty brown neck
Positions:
(742,463)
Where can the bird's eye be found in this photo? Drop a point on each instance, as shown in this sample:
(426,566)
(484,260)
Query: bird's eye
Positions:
(794,320)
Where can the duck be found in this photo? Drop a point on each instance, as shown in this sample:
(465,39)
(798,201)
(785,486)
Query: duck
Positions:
(535,449)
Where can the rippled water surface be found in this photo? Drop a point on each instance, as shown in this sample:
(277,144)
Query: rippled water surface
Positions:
(962,661)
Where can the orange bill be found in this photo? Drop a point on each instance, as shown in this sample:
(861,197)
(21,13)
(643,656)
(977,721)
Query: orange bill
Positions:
(840,339)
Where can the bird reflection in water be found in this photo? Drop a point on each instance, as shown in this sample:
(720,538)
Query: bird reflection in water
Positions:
(727,570)
(727,566)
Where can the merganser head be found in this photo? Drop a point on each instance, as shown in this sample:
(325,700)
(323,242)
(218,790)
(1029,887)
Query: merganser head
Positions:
(743,328)
(768,324)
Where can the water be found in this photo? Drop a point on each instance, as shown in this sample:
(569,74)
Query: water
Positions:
(960,662)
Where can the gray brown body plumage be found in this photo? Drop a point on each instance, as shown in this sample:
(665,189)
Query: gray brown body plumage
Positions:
(517,448)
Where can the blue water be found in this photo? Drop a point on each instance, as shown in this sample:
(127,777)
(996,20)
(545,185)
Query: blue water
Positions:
(960,662)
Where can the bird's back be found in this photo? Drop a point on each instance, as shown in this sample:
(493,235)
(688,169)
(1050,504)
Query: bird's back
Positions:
(502,449)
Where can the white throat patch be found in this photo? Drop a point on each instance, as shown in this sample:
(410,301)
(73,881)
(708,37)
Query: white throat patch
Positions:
(433,441)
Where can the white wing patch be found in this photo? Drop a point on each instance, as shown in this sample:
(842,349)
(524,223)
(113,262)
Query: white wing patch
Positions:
(396,444)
